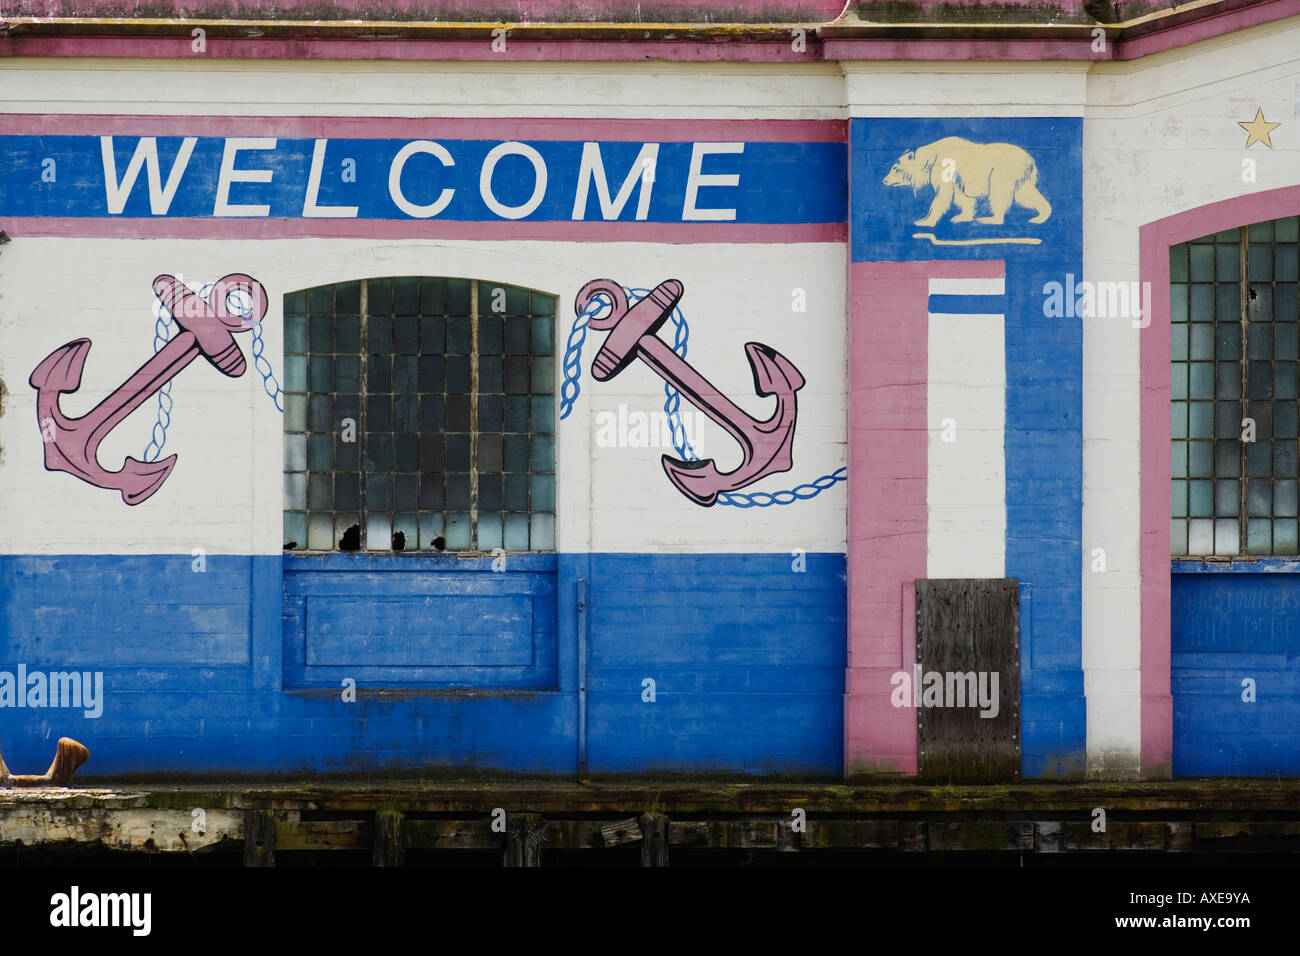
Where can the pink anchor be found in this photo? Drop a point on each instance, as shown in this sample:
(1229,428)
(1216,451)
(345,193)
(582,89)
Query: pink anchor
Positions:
(206,329)
(766,444)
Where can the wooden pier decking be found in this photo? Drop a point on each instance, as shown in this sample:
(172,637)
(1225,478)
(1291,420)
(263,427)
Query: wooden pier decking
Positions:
(527,821)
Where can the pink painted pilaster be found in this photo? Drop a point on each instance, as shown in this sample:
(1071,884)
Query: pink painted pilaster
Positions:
(887,513)
(1155,240)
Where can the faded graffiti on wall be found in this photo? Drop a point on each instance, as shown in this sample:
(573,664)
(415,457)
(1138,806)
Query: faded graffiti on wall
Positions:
(207,329)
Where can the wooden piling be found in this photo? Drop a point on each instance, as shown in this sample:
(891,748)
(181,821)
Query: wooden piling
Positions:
(390,839)
(654,839)
(259,838)
(525,834)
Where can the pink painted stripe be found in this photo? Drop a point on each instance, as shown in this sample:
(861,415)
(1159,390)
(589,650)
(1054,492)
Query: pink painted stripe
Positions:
(613,11)
(1169,33)
(887,508)
(520,49)
(666,232)
(397,127)
(1155,240)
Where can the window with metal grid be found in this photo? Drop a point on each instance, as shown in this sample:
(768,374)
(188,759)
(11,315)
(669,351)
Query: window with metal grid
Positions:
(419,416)
(1235,353)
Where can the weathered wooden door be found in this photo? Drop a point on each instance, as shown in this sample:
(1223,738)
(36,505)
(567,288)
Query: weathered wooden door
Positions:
(967,688)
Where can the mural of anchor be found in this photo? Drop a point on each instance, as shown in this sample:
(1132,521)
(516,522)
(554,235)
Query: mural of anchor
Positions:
(765,444)
(71,444)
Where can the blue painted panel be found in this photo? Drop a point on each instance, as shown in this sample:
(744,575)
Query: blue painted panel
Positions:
(1044,393)
(414,631)
(1226,629)
(773,185)
(769,700)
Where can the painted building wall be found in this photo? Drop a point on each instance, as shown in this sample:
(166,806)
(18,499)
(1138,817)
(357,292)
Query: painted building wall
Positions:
(771,633)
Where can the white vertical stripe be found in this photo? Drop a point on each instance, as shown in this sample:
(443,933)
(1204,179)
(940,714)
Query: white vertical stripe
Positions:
(966,483)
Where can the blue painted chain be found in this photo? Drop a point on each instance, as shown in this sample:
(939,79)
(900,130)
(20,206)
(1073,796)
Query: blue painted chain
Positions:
(672,407)
(161,334)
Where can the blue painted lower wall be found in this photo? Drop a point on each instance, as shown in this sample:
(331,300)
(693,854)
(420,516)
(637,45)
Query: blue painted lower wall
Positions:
(221,671)
(1227,628)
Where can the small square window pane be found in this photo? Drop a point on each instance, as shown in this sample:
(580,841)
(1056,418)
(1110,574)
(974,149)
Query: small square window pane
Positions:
(543,336)
(1202,263)
(295,304)
(1228,384)
(433,296)
(1259,303)
(1260,266)
(1227,341)
(320,492)
(379,492)
(1227,262)
(1286,419)
(516,414)
(347,491)
(543,453)
(489,453)
(347,335)
(1200,420)
(1260,232)
(406,335)
(1227,421)
(1262,415)
(490,374)
(516,335)
(1178,420)
(405,535)
(295,492)
(379,374)
(295,373)
(457,490)
(1227,499)
(320,300)
(1286,340)
(430,528)
(295,452)
(379,452)
(379,335)
(1286,262)
(347,454)
(347,373)
(516,492)
(1201,306)
(458,335)
(1227,458)
(1227,536)
(489,531)
(1284,536)
(516,452)
(406,374)
(406,296)
(458,297)
(543,375)
(1284,381)
(432,492)
(1287,230)
(1178,304)
(543,414)
(1227,302)
(433,453)
(457,532)
(406,492)
(1178,380)
(1259,498)
(295,531)
(1286,307)
(1178,459)
(295,413)
(1259,463)
(320,452)
(458,453)
(1259,536)
(1200,499)
(1178,499)
(1178,536)
(543,492)
(295,334)
(1284,499)
(320,413)
(1178,342)
(1200,536)
(458,374)
(490,492)
(379,297)
(1284,459)
(1200,459)
(1202,381)
(320,532)
(516,532)
(542,534)
(379,531)
(1260,380)
(516,375)
(543,304)
(1202,344)
(433,416)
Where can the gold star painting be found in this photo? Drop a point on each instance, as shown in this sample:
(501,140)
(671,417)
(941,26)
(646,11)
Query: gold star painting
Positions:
(1259,130)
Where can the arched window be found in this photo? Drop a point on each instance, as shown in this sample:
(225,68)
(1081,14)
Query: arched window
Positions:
(419,416)
(1235,353)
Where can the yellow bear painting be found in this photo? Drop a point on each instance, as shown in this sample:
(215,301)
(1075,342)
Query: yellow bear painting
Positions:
(963,172)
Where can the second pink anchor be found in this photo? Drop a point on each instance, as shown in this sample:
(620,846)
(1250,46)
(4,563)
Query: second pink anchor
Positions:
(765,444)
